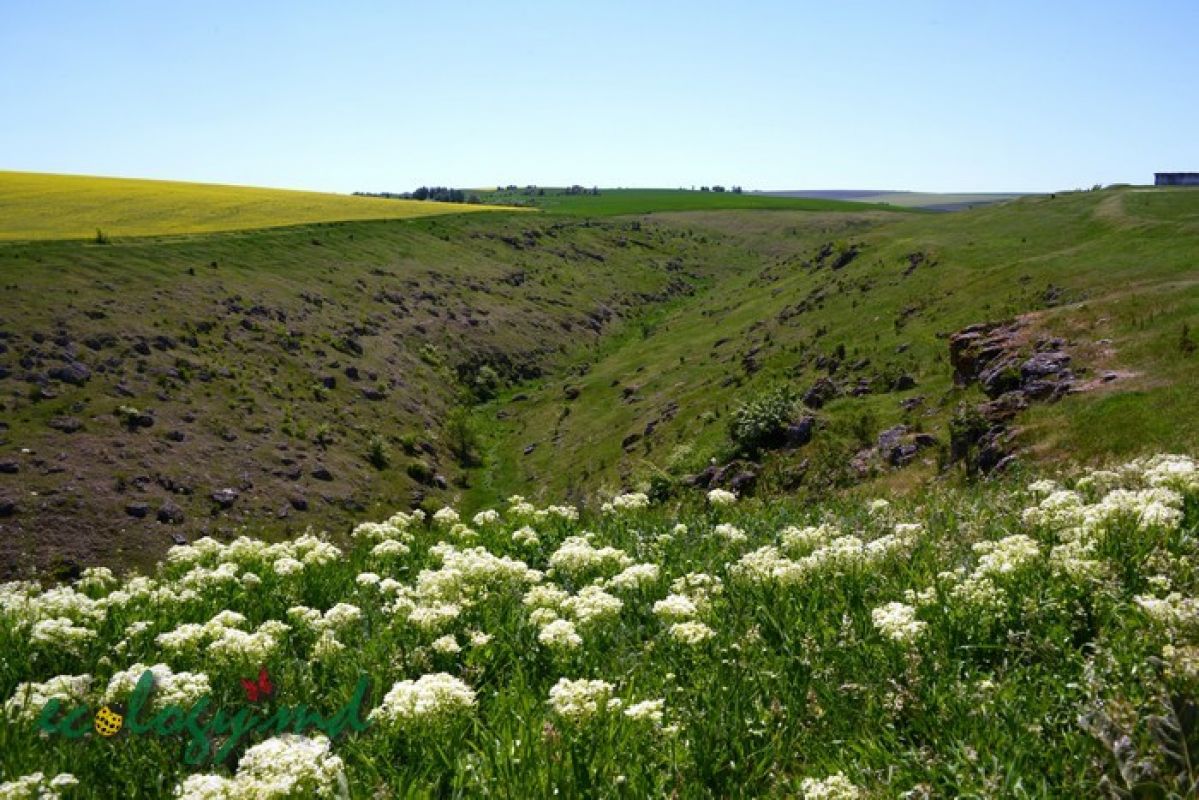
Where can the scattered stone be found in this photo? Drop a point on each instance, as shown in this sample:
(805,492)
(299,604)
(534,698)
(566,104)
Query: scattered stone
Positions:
(440,482)
(799,433)
(298,502)
(175,436)
(65,424)
(571,392)
(9,467)
(322,473)
(73,372)
(373,393)
(225,498)
(8,506)
(170,513)
(903,383)
(530,448)
(822,391)
(627,442)
(137,510)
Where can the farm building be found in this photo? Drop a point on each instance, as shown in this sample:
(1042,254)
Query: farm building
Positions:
(1176,178)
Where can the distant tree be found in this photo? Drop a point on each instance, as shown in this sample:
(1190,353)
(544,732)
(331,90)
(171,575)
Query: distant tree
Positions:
(718,188)
(421,194)
(736,190)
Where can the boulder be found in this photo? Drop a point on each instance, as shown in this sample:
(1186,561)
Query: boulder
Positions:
(170,513)
(225,498)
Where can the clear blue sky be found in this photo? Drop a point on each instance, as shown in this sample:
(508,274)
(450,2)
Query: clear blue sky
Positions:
(341,96)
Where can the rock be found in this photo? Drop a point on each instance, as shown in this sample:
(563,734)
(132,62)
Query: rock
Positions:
(530,448)
(799,433)
(73,372)
(175,436)
(322,473)
(178,538)
(923,440)
(911,403)
(627,442)
(9,467)
(903,383)
(65,424)
(820,393)
(891,437)
(352,373)
(170,513)
(743,481)
(862,388)
(329,381)
(440,482)
(137,510)
(902,455)
(224,498)
(298,502)
(1043,364)
(8,506)
(373,393)
(571,392)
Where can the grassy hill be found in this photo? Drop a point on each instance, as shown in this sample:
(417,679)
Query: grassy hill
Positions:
(1111,273)
(41,206)
(312,375)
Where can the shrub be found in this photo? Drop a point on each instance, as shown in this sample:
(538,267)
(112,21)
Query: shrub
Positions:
(378,453)
(762,422)
(462,437)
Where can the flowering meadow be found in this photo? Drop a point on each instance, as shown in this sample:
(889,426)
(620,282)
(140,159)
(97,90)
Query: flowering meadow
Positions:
(1007,640)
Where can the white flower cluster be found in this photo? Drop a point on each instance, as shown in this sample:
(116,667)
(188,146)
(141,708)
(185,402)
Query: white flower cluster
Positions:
(721,497)
(691,633)
(30,698)
(60,633)
(36,786)
(834,787)
(580,700)
(577,556)
(635,577)
(238,646)
(898,622)
(560,634)
(431,698)
(623,503)
(284,766)
(838,556)
(170,688)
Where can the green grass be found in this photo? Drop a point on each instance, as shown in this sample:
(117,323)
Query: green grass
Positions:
(611,202)
(1119,263)
(966,651)
(42,206)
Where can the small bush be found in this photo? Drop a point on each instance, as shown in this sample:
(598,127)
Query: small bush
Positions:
(762,422)
(378,453)
(462,437)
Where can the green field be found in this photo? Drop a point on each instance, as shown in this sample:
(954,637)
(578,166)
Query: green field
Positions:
(40,206)
(612,202)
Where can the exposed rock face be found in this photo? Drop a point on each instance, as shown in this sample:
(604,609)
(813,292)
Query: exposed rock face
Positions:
(1013,371)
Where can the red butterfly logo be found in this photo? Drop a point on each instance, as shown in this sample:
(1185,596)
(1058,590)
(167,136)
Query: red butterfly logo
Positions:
(258,690)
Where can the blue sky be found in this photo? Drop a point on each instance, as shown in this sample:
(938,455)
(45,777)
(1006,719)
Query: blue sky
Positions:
(935,96)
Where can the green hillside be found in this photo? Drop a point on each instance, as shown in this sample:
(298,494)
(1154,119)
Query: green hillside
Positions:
(1112,272)
(315,375)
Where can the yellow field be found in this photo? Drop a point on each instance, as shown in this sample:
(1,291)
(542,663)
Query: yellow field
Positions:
(41,206)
